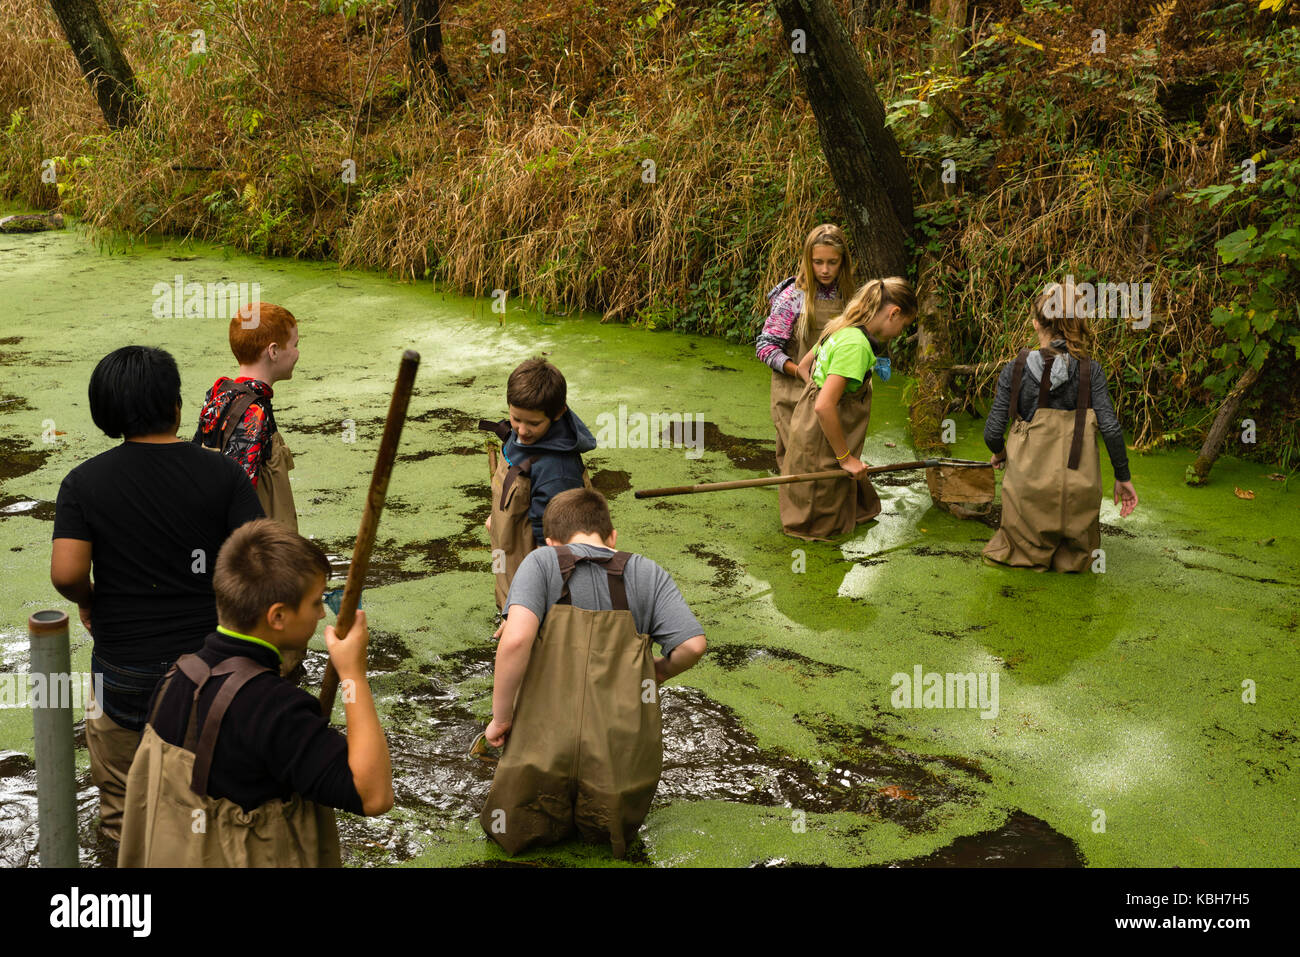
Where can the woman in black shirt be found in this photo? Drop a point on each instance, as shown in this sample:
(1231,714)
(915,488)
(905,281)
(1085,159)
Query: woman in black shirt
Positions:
(136,533)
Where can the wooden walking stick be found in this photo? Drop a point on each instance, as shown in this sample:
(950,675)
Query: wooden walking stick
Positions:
(370,517)
(803,477)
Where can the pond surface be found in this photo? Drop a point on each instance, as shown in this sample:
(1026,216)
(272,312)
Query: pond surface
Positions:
(1120,737)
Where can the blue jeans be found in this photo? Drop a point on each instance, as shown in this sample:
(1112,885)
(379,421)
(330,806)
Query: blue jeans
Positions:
(127,690)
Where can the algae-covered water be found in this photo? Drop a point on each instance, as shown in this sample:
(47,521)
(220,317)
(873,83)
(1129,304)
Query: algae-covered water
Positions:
(1144,714)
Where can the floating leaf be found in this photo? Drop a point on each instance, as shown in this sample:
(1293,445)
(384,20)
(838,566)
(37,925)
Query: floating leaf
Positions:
(1242,492)
(1276,476)
(895,792)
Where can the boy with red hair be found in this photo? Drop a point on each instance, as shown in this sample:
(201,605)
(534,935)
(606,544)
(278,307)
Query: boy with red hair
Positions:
(237,419)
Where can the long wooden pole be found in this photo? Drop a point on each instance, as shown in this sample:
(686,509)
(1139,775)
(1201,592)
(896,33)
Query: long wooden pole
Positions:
(800,477)
(370,517)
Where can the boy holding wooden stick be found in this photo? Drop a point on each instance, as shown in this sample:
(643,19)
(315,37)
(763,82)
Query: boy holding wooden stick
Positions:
(237,767)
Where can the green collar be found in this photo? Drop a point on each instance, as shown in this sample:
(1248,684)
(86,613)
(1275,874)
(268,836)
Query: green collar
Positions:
(257,641)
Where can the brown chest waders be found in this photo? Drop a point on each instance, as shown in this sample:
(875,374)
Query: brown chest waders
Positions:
(170,819)
(585,747)
(1051,491)
(786,389)
(512,530)
(830,508)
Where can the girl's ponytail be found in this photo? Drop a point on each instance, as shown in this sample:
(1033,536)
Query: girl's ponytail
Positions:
(874,295)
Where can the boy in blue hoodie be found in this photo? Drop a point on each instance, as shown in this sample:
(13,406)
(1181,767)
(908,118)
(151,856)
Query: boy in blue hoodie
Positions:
(542,457)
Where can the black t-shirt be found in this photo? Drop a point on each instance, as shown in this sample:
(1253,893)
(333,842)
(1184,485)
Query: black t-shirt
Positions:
(157,514)
(273,741)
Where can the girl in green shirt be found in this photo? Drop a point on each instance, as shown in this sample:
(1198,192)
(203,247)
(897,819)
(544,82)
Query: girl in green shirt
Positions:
(829,424)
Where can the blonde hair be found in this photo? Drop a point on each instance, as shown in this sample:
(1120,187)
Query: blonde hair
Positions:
(874,295)
(1061,310)
(805,280)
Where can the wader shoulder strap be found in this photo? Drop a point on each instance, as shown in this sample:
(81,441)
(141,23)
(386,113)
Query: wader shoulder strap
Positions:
(240,670)
(162,691)
(614,566)
(1045,383)
(196,669)
(1081,406)
(523,468)
(1017,374)
(500,429)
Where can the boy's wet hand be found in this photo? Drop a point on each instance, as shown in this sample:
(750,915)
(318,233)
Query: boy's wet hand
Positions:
(84,612)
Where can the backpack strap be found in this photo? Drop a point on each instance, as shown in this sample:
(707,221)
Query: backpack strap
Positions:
(1017,374)
(614,566)
(523,468)
(1081,406)
(240,670)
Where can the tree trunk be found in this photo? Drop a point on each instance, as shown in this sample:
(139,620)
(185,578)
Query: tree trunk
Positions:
(423,20)
(101,60)
(863,155)
(1199,471)
(930,400)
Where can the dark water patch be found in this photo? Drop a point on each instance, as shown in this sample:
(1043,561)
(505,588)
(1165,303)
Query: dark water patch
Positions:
(12,403)
(466,450)
(1024,841)
(386,651)
(1196,566)
(333,427)
(896,480)
(17,460)
(930,550)
(714,367)
(758,455)
(17,505)
(731,657)
(872,777)
(726,571)
(463,383)
(611,483)
(453,420)
(1115,530)
(417,456)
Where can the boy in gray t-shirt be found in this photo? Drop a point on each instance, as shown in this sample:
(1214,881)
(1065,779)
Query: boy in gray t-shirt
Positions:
(580,519)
